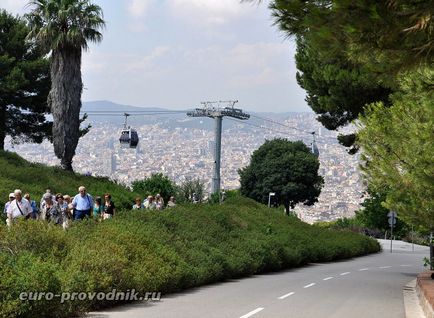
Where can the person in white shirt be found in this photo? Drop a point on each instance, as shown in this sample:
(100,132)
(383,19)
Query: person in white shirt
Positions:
(11,198)
(18,208)
(83,204)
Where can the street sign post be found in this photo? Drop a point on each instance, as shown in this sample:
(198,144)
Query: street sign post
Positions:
(392,221)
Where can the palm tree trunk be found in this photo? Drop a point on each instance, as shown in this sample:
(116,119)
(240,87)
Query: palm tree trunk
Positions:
(65,102)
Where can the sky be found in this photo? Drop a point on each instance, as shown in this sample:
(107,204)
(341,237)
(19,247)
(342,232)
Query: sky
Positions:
(177,53)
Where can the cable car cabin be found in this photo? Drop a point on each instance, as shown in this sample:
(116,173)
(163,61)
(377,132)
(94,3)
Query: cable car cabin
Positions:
(129,138)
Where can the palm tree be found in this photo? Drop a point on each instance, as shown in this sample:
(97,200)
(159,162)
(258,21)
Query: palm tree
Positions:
(64,28)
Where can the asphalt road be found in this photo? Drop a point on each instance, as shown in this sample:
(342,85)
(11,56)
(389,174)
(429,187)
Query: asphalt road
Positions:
(369,286)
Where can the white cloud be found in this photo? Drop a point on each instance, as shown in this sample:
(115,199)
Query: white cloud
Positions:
(211,6)
(210,12)
(138,8)
(243,65)
(124,65)
(137,11)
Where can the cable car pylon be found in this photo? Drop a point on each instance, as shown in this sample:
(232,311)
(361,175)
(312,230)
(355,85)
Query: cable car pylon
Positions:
(215,111)
(314,147)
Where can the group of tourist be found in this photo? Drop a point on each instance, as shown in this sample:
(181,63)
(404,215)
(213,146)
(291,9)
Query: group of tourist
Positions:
(153,203)
(58,209)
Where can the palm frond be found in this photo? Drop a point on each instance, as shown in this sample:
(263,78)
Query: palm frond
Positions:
(60,24)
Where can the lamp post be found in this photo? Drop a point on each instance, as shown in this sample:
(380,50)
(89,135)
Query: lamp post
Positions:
(271,194)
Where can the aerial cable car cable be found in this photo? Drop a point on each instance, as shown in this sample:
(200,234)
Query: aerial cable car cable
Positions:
(290,127)
(313,147)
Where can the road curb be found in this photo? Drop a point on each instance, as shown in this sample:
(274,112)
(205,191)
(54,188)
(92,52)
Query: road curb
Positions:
(424,290)
(412,302)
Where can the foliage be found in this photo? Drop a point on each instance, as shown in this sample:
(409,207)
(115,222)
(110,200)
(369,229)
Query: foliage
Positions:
(337,89)
(373,215)
(287,168)
(156,183)
(398,149)
(24,84)
(188,187)
(59,25)
(64,28)
(165,251)
(406,38)
(18,173)
(385,36)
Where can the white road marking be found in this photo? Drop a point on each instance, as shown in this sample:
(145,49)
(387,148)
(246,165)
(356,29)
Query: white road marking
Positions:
(406,265)
(328,278)
(310,285)
(346,273)
(384,267)
(252,312)
(286,295)
(363,269)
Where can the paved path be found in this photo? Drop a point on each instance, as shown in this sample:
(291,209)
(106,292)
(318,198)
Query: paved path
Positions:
(369,286)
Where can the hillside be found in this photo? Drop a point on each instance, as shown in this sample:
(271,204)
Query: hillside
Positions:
(148,251)
(17,173)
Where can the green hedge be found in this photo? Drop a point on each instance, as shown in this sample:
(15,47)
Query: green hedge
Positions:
(165,251)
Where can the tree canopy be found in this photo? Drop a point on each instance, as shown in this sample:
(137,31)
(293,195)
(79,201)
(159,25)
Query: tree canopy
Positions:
(398,148)
(336,89)
(24,84)
(287,168)
(390,35)
(374,215)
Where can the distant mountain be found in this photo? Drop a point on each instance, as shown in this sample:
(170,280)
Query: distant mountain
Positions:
(106,108)
(103,105)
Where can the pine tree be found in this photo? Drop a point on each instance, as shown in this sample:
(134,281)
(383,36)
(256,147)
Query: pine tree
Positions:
(24,84)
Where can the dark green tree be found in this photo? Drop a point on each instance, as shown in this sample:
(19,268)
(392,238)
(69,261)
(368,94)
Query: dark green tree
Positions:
(188,187)
(373,214)
(337,90)
(287,168)
(156,183)
(390,35)
(397,149)
(65,29)
(24,84)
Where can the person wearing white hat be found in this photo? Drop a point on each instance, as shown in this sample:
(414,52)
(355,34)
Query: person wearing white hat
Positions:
(18,208)
(11,198)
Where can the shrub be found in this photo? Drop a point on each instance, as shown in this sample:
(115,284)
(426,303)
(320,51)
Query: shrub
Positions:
(156,183)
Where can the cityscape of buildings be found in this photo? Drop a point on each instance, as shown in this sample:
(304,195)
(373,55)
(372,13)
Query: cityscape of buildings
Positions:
(183,153)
